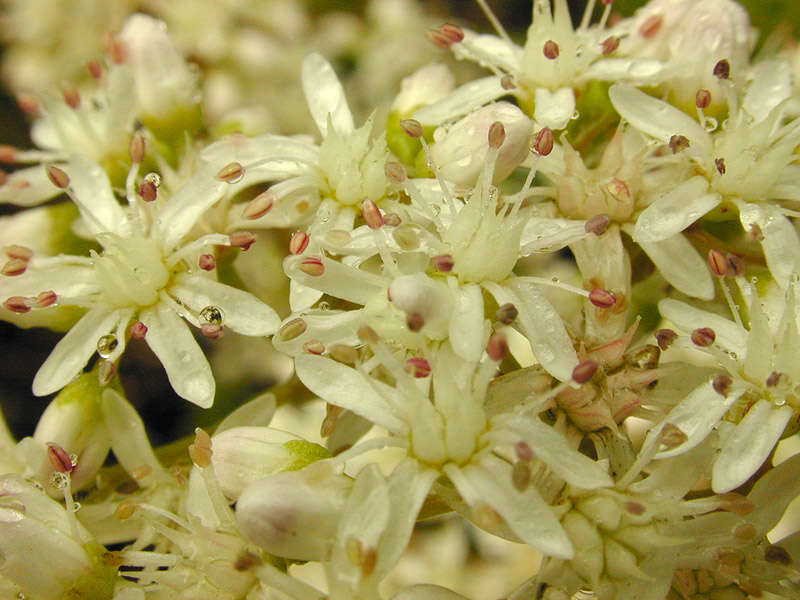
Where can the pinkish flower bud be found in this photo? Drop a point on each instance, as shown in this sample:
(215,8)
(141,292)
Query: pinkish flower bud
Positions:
(298,242)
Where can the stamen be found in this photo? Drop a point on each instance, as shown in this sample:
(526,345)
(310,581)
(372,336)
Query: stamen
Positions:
(20,252)
(651,26)
(259,206)
(17,304)
(14,267)
(775,378)
(148,191)
(497,347)
(105,372)
(57,177)
(665,338)
(722,70)
(507,82)
(587,14)
(95,70)
(72,97)
(207,262)
(231,173)
(298,242)
(507,313)
(314,347)
(720,164)
(597,224)
(718,263)
(395,171)
(45,299)
(755,233)
(524,451)
(602,298)
(672,436)
(242,239)
(544,142)
(312,266)
(415,321)
(497,135)
(138,330)
(702,99)
(391,219)
(443,263)
(584,371)
(292,329)
(550,50)
(344,354)
(60,458)
(412,128)
(418,367)
(678,143)
(28,104)
(371,214)
(446,36)
(114,48)
(137,148)
(703,336)
(610,44)
(722,385)
(200,451)
(736,266)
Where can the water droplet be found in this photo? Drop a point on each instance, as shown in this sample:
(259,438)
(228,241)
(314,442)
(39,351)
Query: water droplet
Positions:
(323,306)
(212,315)
(153,178)
(76,507)
(21,596)
(754,280)
(575,115)
(73,459)
(59,480)
(436,209)
(34,483)
(106,345)
(555,280)
(780,401)
(710,124)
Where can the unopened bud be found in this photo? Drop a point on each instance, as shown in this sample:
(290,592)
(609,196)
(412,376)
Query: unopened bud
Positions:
(443,263)
(597,224)
(57,177)
(418,367)
(718,263)
(702,98)
(412,128)
(544,142)
(137,148)
(242,239)
(651,26)
(678,143)
(665,337)
(497,347)
(231,173)
(602,298)
(14,267)
(394,171)
(506,313)
(371,214)
(719,163)
(312,266)
(722,384)
(72,97)
(138,330)
(497,134)
(259,206)
(610,44)
(722,70)
(298,242)
(584,371)
(703,336)
(207,262)
(550,50)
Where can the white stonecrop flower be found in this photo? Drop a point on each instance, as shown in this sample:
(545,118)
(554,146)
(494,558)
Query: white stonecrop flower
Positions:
(445,429)
(748,165)
(146,279)
(756,392)
(555,59)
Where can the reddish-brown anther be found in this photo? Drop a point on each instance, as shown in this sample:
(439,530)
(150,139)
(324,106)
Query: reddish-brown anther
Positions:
(395,171)
(454,33)
(703,336)
(20,252)
(412,128)
(497,135)
(207,262)
(651,26)
(544,142)
(148,191)
(523,451)
(584,371)
(314,347)
(14,267)
(72,97)
(137,148)
(678,143)
(94,68)
(57,177)
(391,219)
(722,384)
(371,214)
(259,206)
(45,299)
(443,263)
(722,70)
(298,242)
(507,82)
(718,263)
(497,347)
(720,164)
(507,313)
(702,98)
(597,224)
(602,298)
(610,44)
(312,266)
(17,304)
(415,321)
(231,173)
(418,367)
(736,266)
(138,330)
(242,239)
(550,50)
(665,338)
(59,458)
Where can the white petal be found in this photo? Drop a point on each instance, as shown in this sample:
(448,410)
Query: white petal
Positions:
(773,492)
(525,512)
(464,99)
(337,280)
(552,448)
(658,119)
(696,415)
(182,211)
(749,445)
(639,70)
(728,334)
(674,211)
(488,49)
(327,327)
(681,265)
(325,96)
(129,439)
(771,85)
(548,235)
(28,187)
(256,413)
(92,193)
(73,351)
(541,324)
(427,591)
(466,328)
(242,312)
(340,385)
(171,341)
(760,344)
(65,279)
(781,244)
(554,109)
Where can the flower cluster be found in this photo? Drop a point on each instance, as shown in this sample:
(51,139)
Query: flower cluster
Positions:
(542,294)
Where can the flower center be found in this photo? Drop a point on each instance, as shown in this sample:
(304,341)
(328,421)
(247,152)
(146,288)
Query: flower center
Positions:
(131,270)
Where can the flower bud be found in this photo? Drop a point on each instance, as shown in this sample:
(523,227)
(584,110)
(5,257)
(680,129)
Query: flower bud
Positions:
(461,152)
(244,455)
(295,514)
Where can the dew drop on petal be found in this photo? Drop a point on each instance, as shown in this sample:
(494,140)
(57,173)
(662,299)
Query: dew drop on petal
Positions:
(59,480)
(575,115)
(73,459)
(153,178)
(106,345)
(76,506)
(212,315)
